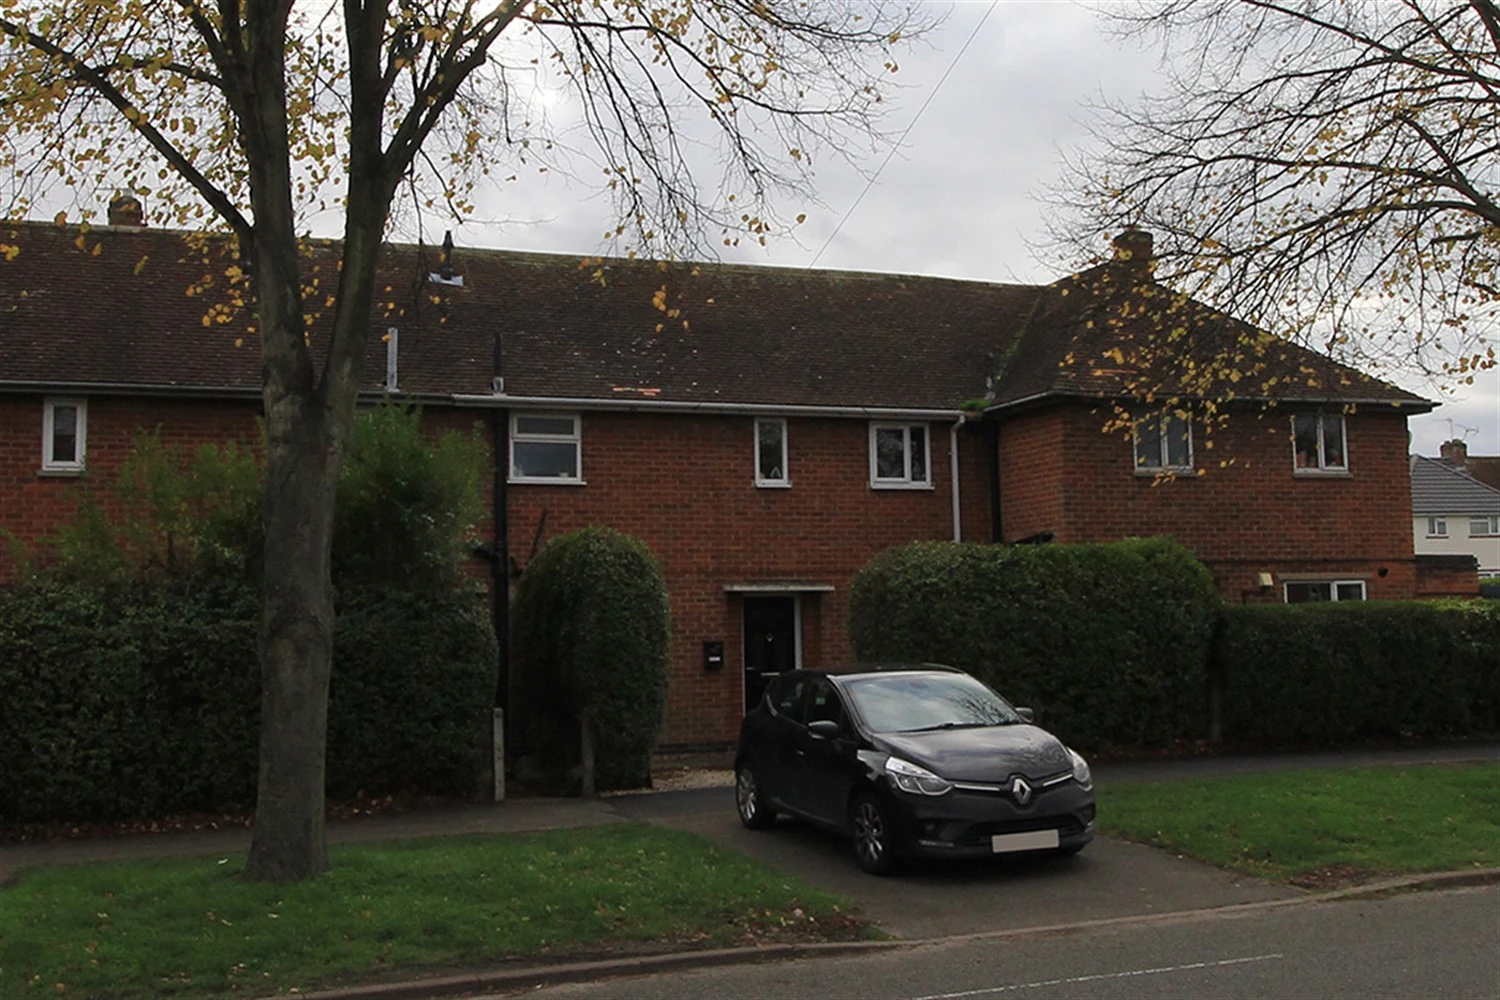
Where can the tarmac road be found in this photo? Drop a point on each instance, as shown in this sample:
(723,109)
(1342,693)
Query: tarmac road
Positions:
(1433,944)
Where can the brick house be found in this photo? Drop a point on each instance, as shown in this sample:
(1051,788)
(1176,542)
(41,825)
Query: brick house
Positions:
(764,430)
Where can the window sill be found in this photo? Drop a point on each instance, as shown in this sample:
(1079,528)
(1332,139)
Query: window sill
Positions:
(535,481)
(1322,474)
(900,486)
(46,473)
(1174,472)
(772,485)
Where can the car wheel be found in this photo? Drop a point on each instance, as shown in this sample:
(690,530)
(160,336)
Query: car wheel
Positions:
(872,837)
(755,814)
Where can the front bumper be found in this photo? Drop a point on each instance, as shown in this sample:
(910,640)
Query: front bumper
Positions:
(961,823)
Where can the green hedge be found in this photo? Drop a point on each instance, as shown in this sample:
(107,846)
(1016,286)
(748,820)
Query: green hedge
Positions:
(1342,672)
(590,628)
(1108,642)
(142,701)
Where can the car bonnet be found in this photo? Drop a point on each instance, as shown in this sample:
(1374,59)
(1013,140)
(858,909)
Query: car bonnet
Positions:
(988,754)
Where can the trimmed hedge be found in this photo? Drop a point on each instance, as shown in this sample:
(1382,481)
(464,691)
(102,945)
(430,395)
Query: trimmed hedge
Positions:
(590,628)
(1339,672)
(143,701)
(1108,642)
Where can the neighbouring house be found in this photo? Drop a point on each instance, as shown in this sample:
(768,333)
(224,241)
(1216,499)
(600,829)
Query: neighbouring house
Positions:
(764,430)
(1455,520)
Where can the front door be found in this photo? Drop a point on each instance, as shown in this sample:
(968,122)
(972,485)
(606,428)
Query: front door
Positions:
(770,643)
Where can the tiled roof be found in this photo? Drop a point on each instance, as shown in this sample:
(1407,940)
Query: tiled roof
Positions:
(1438,488)
(113,308)
(1110,332)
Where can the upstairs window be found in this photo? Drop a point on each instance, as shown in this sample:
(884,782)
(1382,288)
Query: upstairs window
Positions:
(1482,525)
(770,453)
(1437,527)
(544,448)
(1164,443)
(1318,443)
(898,456)
(64,434)
(1307,591)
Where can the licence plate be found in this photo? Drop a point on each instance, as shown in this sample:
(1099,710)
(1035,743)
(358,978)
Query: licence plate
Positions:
(1036,840)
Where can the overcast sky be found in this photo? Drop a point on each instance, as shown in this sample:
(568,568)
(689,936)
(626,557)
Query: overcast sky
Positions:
(960,198)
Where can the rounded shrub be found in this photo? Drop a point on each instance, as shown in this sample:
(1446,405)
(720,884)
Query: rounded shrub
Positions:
(590,632)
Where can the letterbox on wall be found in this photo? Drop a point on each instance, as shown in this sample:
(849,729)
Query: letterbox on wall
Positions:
(713,654)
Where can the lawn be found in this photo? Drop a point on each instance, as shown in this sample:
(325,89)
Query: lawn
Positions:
(193,928)
(1319,827)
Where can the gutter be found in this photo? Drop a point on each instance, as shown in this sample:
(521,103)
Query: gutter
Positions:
(1414,408)
(633,403)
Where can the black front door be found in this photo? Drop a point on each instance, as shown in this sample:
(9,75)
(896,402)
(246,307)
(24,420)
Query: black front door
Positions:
(770,643)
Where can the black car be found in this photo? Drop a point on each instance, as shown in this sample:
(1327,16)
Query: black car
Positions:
(911,761)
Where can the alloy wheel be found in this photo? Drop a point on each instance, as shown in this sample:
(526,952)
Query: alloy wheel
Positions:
(871,838)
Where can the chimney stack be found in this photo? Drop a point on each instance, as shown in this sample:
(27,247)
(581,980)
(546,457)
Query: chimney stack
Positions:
(1134,246)
(1455,453)
(126,210)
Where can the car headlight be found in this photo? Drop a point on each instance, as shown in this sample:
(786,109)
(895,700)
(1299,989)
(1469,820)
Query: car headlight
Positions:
(1081,772)
(918,780)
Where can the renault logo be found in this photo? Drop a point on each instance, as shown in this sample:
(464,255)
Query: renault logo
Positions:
(1020,790)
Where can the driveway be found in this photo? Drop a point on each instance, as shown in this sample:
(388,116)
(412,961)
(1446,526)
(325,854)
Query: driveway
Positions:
(1109,879)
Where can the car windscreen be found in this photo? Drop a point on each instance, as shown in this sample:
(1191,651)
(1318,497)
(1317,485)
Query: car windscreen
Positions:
(901,703)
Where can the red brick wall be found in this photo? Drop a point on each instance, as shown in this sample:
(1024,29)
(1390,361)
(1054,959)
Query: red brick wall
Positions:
(1034,466)
(1447,576)
(32,505)
(1250,515)
(685,486)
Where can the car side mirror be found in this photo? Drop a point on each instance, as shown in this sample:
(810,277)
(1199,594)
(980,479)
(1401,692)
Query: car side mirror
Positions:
(1026,714)
(823,729)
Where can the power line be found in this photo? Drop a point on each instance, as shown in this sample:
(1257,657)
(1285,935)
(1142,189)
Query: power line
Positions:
(902,141)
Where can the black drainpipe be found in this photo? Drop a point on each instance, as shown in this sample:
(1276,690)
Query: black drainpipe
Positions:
(992,435)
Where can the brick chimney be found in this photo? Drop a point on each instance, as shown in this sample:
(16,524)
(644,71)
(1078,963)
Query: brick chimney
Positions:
(1455,453)
(126,210)
(1134,246)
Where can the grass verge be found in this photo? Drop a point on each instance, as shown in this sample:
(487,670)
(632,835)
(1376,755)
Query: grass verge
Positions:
(1319,828)
(194,928)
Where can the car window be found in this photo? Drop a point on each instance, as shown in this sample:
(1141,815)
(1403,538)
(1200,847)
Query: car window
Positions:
(823,702)
(787,698)
(906,702)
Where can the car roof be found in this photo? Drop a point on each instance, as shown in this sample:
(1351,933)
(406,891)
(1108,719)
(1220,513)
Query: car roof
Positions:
(873,669)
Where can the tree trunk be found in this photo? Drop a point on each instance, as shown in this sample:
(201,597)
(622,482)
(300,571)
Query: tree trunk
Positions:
(296,644)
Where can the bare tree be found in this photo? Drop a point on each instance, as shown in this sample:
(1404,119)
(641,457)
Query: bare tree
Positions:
(1326,171)
(245,116)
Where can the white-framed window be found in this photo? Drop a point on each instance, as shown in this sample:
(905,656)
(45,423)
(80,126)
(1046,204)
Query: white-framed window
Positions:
(65,425)
(899,456)
(1304,591)
(1318,443)
(1482,524)
(770,452)
(1164,443)
(1437,527)
(545,448)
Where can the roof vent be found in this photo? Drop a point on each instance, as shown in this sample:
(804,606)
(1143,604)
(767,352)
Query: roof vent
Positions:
(445,274)
(125,210)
